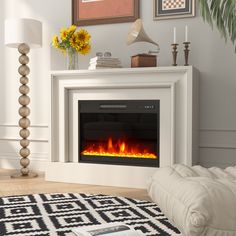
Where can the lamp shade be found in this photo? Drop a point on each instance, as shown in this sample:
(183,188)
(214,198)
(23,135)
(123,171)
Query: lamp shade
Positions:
(18,31)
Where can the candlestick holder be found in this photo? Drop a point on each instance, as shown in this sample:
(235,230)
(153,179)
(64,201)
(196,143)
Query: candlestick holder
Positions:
(174,53)
(186,52)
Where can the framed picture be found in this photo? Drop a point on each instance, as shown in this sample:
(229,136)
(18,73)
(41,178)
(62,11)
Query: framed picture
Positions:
(94,12)
(167,9)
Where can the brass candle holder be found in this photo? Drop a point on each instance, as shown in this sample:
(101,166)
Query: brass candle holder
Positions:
(174,53)
(186,52)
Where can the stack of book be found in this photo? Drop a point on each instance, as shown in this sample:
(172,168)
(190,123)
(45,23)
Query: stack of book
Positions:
(104,62)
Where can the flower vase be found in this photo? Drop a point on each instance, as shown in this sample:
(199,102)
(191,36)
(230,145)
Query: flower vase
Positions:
(72,59)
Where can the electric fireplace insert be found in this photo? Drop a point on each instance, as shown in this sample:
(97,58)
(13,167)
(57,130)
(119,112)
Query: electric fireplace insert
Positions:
(124,132)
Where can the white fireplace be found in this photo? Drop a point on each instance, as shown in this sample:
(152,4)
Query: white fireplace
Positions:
(176,89)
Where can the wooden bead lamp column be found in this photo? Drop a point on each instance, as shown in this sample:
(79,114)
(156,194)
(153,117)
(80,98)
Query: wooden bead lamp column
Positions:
(24,111)
(23,34)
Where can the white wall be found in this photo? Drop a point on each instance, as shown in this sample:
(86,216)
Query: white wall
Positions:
(209,53)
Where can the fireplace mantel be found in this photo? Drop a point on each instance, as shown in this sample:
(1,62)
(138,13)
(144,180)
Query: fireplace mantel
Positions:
(175,87)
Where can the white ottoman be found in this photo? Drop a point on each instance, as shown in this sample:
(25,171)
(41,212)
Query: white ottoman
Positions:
(198,201)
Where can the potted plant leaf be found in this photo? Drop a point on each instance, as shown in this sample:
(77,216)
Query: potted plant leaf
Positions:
(223,13)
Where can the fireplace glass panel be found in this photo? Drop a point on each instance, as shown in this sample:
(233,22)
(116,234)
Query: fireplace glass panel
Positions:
(119,132)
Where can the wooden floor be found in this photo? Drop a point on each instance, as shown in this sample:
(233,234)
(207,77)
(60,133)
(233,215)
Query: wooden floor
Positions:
(9,186)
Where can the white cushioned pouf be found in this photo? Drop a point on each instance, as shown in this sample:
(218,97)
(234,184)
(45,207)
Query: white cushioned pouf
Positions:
(197,200)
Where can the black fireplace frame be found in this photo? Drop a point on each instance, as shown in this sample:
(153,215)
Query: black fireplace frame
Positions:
(121,106)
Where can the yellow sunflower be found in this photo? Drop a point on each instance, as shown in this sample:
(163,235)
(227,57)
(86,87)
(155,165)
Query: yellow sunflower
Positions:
(73,41)
(83,36)
(55,41)
(63,33)
(85,49)
(71,29)
(78,48)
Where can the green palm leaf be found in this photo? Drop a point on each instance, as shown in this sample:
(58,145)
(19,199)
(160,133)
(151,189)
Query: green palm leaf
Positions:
(223,13)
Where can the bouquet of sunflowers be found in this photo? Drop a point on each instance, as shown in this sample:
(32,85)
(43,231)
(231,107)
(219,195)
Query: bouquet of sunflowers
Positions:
(72,39)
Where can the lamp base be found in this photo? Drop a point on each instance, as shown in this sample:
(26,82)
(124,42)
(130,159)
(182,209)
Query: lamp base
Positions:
(18,175)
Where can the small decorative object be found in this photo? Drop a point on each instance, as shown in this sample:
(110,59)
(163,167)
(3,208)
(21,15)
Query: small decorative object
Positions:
(186,52)
(174,53)
(24,34)
(143,60)
(137,34)
(105,54)
(166,9)
(174,46)
(94,12)
(72,59)
(99,54)
(186,46)
(71,43)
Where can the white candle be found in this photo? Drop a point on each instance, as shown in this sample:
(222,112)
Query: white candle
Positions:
(174,35)
(186,33)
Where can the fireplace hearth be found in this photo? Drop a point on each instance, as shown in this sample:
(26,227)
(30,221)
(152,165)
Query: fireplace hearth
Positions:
(122,132)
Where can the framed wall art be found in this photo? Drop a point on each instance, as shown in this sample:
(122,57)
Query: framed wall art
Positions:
(167,9)
(94,12)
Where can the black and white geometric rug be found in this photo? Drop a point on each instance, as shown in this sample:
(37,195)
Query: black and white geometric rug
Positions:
(56,214)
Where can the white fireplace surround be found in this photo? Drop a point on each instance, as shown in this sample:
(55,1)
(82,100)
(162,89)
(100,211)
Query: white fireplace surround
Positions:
(175,87)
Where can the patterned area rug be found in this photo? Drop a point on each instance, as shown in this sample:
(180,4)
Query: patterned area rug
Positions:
(57,214)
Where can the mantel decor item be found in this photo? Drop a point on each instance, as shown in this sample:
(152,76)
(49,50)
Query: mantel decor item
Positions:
(143,60)
(23,34)
(186,46)
(174,53)
(94,12)
(72,62)
(138,34)
(174,48)
(167,9)
(72,42)
(186,52)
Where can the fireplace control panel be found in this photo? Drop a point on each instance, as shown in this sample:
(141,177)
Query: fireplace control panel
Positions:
(149,107)
(127,106)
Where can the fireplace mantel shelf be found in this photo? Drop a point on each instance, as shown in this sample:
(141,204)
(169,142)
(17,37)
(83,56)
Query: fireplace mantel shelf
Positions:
(175,87)
(166,69)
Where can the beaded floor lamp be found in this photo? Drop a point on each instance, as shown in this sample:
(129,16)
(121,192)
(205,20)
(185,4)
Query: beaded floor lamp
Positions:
(23,34)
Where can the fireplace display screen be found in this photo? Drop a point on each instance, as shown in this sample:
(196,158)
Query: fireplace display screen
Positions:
(122,132)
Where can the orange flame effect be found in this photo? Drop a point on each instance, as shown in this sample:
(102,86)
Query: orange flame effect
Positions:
(118,149)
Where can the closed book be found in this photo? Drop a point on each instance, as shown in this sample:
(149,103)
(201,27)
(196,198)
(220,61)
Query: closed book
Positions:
(94,67)
(105,63)
(105,59)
